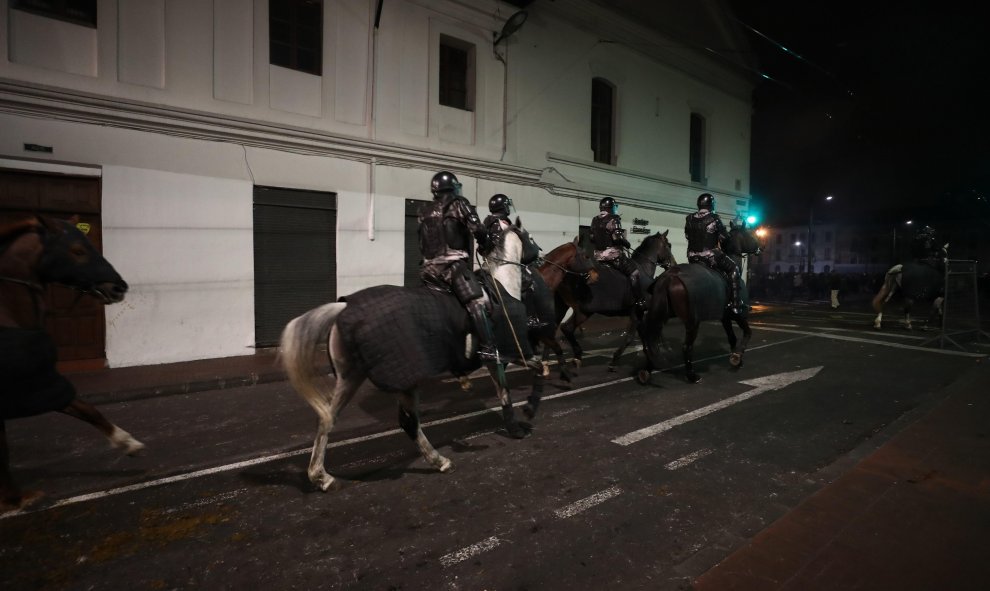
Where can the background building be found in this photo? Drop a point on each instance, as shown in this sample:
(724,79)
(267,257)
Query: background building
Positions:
(241,161)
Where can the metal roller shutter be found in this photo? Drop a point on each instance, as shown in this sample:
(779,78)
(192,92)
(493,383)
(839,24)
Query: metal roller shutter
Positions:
(411,274)
(295,261)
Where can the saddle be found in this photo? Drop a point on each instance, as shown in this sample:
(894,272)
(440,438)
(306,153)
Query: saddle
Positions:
(699,278)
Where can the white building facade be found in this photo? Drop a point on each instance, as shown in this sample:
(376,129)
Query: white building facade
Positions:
(212,134)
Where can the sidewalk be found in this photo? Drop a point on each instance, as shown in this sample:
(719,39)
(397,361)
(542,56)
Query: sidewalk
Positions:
(147,381)
(914,514)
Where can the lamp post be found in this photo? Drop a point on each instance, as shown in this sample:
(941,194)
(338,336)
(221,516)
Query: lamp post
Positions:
(811,228)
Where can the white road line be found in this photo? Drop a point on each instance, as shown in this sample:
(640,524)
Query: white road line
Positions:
(587,502)
(831,328)
(839,337)
(688,459)
(469,551)
(207,501)
(763,384)
(300,452)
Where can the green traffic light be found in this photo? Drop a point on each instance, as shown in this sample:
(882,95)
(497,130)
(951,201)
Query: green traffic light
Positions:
(751,220)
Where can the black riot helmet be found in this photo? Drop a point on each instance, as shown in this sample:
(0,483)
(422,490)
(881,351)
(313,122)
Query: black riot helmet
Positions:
(500,204)
(444,182)
(706,201)
(608,204)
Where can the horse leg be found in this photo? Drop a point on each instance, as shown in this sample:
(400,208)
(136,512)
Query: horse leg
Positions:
(567,329)
(878,320)
(535,397)
(747,332)
(328,401)
(85,411)
(515,429)
(12,498)
(630,335)
(550,343)
(690,334)
(409,421)
(734,356)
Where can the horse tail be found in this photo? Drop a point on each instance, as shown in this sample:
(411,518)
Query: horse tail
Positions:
(300,343)
(889,285)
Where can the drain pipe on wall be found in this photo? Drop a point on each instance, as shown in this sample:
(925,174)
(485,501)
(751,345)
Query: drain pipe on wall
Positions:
(371,197)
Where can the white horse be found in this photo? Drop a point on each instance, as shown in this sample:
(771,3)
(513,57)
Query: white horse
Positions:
(396,329)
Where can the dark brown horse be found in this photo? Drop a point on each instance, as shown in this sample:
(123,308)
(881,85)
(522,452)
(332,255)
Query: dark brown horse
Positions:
(611,295)
(567,260)
(694,293)
(34,253)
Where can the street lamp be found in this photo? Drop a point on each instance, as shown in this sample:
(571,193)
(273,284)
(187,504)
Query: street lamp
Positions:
(811,228)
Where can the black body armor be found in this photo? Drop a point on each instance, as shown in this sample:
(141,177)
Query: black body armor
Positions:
(448,223)
(704,230)
(606,231)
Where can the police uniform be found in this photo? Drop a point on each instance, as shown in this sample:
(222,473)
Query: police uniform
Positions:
(703,230)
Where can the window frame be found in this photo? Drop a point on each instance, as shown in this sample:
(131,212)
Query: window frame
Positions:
(603,146)
(447,92)
(296,28)
(58,11)
(697,141)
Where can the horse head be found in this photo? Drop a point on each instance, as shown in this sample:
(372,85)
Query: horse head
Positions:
(569,258)
(69,258)
(530,249)
(655,249)
(741,241)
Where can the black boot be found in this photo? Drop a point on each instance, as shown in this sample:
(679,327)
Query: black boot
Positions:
(736,305)
(487,351)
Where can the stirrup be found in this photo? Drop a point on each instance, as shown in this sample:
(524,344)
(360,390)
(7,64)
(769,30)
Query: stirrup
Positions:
(488,353)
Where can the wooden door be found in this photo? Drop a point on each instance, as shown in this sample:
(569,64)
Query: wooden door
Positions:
(77,323)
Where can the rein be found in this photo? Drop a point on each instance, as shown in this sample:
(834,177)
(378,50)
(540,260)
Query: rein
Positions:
(543,261)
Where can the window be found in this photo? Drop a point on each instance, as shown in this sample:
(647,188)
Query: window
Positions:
(602,120)
(456,73)
(80,12)
(828,252)
(295,35)
(696,163)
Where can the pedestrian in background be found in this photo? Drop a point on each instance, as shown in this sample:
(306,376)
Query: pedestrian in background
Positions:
(834,282)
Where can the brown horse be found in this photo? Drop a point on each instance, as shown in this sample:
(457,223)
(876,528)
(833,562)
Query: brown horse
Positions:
(34,253)
(612,295)
(567,260)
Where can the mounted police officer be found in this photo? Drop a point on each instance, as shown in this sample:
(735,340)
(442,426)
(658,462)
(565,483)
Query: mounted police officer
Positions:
(610,243)
(447,229)
(925,248)
(497,223)
(704,230)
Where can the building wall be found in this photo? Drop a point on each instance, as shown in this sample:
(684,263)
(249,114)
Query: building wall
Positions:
(176,105)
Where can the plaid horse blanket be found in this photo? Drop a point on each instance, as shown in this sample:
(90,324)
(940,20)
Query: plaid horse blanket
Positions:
(401,336)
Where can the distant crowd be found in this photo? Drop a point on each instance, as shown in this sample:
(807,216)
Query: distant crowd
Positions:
(813,286)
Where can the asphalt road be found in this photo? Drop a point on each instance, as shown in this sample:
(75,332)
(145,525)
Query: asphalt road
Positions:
(619,486)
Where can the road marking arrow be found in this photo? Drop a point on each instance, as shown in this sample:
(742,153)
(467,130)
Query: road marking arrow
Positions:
(764,384)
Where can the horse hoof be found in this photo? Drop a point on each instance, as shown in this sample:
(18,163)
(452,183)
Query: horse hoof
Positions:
(546,370)
(529,410)
(735,360)
(565,377)
(611,368)
(324,482)
(466,384)
(577,363)
(693,378)
(643,377)
(445,465)
(519,430)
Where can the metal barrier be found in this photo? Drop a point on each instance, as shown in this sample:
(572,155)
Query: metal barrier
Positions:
(960,306)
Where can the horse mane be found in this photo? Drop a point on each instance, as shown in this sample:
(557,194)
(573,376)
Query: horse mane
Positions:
(13,230)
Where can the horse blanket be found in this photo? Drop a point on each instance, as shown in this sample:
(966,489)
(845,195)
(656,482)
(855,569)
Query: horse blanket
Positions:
(402,336)
(29,382)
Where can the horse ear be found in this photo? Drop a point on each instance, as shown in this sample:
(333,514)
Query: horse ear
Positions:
(576,241)
(518,222)
(665,232)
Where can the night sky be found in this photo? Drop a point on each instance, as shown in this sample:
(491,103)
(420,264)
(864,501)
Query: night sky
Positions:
(889,109)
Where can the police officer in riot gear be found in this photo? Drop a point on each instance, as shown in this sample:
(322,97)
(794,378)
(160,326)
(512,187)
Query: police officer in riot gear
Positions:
(448,227)
(610,243)
(704,230)
(497,223)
